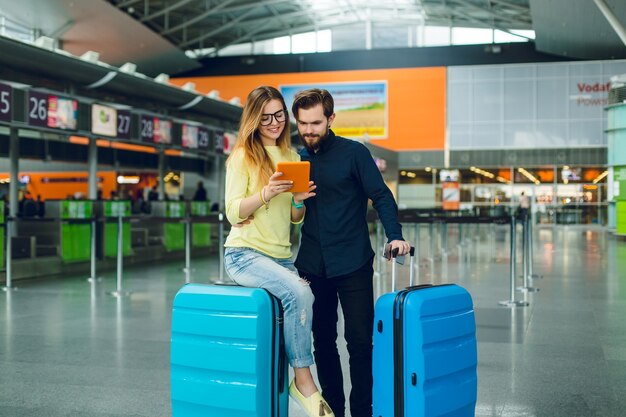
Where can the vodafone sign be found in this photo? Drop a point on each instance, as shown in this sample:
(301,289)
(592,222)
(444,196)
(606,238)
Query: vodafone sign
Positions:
(596,94)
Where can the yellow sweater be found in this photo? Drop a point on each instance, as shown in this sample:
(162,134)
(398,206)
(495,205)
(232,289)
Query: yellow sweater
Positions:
(269,232)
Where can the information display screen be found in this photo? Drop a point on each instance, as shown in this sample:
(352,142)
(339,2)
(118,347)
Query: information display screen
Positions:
(162,131)
(6,103)
(49,110)
(155,130)
(189,136)
(62,113)
(103,120)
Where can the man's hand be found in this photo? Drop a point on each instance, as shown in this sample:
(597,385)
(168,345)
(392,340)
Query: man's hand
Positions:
(246,221)
(403,247)
(300,197)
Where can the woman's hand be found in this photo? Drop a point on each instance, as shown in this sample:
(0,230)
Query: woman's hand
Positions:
(276,186)
(300,197)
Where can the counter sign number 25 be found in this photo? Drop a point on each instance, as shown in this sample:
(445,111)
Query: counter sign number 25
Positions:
(5,103)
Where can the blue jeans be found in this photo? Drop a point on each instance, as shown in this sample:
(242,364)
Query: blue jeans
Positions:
(250,268)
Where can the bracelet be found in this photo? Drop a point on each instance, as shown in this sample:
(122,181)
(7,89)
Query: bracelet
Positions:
(265,203)
(296,205)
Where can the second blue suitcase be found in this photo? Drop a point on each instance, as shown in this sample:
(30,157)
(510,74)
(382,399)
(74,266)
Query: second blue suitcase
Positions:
(227,353)
(425,353)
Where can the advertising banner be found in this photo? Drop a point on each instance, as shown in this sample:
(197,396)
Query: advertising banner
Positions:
(451,196)
(103,120)
(361,107)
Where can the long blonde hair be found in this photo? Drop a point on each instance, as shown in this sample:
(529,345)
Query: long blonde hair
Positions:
(248,139)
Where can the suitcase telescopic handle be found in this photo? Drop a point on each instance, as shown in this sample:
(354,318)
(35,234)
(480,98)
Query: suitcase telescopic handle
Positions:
(394,270)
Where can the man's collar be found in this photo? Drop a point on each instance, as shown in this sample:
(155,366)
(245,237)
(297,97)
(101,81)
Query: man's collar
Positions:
(328,141)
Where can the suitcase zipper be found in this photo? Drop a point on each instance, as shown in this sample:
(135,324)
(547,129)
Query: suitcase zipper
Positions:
(277,324)
(398,353)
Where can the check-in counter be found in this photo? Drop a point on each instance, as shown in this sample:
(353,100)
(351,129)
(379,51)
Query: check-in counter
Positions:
(200,232)
(110,212)
(173,232)
(72,220)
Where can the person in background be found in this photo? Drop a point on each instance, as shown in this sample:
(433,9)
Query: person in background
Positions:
(153,195)
(335,253)
(200,194)
(259,254)
(524,206)
(41,206)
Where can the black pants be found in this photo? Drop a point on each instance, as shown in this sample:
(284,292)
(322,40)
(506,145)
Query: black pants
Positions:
(356,294)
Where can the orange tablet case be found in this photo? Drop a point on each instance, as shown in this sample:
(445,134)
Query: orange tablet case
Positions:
(298,172)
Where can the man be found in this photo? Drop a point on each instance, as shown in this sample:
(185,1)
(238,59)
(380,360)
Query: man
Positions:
(335,253)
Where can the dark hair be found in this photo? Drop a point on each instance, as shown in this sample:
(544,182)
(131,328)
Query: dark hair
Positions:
(307,99)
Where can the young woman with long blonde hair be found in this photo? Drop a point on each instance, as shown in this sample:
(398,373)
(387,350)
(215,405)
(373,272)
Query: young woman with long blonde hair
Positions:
(259,253)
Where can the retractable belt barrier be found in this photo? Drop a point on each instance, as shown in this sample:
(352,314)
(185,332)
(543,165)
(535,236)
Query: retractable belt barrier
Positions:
(119,291)
(417,218)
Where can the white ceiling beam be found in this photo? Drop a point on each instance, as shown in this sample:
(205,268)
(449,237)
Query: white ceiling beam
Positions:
(252,22)
(221,9)
(612,19)
(127,3)
(165,10)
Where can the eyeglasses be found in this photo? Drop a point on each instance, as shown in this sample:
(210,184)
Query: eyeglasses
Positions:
(279,116)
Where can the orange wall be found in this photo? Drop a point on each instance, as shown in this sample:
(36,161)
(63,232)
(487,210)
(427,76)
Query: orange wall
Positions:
(416,99)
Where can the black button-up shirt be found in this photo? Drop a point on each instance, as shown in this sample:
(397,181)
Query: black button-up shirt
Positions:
(335,237)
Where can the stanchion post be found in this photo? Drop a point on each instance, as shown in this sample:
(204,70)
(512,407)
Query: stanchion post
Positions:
(525,257)
(444,238)
(417,250)
(431,238)
(511,302)
(119,292)
(187,250)
(492,241)
(8,286)
(531,251)
(93,274)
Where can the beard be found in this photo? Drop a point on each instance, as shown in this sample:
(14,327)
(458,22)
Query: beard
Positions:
(313,142)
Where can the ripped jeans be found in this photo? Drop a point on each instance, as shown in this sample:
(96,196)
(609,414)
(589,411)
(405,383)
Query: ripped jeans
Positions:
(250,268)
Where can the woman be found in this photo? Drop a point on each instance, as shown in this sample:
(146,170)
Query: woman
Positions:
(259,253)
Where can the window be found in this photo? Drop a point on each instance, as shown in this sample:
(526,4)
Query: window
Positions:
(471,36)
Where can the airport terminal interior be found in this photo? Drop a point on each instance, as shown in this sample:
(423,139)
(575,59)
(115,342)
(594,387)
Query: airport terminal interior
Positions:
(117,117)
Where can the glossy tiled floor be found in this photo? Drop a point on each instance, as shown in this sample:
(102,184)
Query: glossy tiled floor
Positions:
(67,348)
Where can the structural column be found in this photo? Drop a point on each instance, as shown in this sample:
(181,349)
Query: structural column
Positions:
(14,156)
(161,189)
(219,177)
(92,162)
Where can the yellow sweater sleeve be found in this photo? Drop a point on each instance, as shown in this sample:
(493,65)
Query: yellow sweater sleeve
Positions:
(237,178)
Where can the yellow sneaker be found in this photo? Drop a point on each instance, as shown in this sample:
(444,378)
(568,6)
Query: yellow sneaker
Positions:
(313,406)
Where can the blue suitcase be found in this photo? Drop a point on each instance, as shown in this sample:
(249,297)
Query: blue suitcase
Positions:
(424,360)
(227,353)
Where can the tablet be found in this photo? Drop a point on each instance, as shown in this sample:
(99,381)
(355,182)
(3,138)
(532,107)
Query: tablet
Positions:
(298,172)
